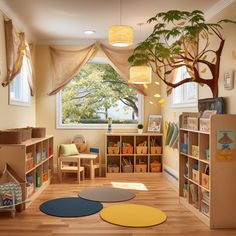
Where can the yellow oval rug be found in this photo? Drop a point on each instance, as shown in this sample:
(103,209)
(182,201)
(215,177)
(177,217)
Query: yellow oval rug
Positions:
(133,215)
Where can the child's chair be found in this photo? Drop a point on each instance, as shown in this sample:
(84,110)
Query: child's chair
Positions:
(69,164)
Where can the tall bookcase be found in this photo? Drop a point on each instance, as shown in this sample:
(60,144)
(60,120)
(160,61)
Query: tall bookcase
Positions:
(207,172)
(135,157)
(32,160)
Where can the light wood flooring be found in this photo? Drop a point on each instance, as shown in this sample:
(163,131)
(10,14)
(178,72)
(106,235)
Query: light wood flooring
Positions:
(160,193)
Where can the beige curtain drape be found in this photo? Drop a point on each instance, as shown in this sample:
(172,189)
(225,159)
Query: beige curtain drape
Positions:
(67,63)
(16,49)
(119,61)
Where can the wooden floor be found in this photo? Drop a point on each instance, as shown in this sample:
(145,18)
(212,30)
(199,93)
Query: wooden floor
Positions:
(160,193)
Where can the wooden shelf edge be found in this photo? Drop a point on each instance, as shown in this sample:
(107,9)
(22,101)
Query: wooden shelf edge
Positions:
(198,213)
(37,192)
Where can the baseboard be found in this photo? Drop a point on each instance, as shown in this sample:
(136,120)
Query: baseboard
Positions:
(172,175)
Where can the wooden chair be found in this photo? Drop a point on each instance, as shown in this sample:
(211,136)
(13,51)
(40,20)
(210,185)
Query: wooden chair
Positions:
(69,164)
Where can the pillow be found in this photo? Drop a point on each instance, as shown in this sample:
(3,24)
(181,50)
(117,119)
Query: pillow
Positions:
(69,149)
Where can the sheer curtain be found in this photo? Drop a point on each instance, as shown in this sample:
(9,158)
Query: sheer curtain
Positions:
(67,63)
(16,49)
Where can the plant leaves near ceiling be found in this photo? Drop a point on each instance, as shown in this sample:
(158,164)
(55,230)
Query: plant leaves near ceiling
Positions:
(174,43)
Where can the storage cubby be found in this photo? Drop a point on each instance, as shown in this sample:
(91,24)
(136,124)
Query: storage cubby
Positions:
(113,164)
(207,190)
(127,164)
(141,149)
(32,161)
(184,136)
(141,164)
(204,147)
(193,148)
(183,178)
(141,145)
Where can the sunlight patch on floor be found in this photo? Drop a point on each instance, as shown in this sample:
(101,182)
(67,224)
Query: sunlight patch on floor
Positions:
(125,185)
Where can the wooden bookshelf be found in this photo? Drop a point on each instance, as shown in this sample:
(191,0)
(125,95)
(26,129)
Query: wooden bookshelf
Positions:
(213,204)
(135,158)
(37,151)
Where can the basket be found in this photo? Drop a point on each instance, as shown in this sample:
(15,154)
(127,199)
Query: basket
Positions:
(156,150)
(113,150)
(10,137)
(113,169)
(155,167)
(141,168)
(141,150)
(127,150)
(38,132)
(127,168)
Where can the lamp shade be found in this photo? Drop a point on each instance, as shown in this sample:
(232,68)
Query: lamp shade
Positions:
(140,75)
(120,35)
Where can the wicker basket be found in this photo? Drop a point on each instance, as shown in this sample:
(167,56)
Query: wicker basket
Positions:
(127,150)
(156,150)
(141,168)
(142,150)
(127,168)
(113,169)
(155,167)
(113,150)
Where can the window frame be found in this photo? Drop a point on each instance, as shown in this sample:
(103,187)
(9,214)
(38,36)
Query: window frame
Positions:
(59,124)
(22,75)
(185,101)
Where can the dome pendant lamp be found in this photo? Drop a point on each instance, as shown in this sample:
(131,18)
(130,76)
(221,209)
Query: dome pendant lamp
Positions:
(140,75)
(120,35)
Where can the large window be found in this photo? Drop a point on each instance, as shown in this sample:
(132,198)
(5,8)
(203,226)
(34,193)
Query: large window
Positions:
(185,95)
(96,94)
(19,87)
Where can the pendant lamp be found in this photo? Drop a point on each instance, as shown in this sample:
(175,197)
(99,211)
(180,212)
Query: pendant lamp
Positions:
(120,35)
(140,75)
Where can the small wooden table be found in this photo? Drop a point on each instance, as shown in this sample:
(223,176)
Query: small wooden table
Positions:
(91,157)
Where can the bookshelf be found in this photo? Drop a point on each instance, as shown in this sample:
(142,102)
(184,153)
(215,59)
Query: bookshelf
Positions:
(32,160)
(207,172)
(143,159)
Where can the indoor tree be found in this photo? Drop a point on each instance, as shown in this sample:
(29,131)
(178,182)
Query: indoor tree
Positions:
(182,39)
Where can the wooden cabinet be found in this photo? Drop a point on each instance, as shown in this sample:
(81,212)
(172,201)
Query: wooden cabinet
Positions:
(207,172)
(133,152)
(32,161)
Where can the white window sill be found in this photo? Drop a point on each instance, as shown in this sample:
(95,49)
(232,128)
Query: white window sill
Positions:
(98,126)
(185,105)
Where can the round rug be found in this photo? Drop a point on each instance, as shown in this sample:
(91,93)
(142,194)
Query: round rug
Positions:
(133,215)
(107,194)
(70,207)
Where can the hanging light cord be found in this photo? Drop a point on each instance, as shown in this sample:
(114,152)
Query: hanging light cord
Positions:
(120,11)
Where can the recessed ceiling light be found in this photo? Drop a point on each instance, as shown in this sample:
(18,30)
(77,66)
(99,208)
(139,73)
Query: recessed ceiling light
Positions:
(89,32)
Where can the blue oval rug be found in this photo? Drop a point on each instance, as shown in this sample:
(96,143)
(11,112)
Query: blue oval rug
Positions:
(70,207)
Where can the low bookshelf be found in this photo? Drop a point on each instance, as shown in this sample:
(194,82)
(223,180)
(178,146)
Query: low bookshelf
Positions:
(133,152)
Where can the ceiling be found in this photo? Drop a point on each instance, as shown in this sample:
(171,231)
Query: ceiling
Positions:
(50,21)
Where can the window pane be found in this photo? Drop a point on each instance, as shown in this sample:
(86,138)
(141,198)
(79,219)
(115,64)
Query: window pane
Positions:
(19,87)
(97,93)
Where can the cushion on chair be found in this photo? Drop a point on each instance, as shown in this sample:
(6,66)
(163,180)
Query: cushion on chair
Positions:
(69,149)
